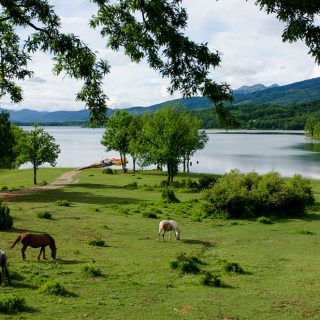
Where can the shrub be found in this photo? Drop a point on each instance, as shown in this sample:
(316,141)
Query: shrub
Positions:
(169,196)
(232,267)
(151,215)
(53,287)
(107,171)
(91,271)
(4,188)
(12,304)
(63,203)
(237,195)
(210,279)
(187,264)
(133,185)
(264,220)
(96,242)
(206,182)
(44,215)
(6,221)
(43,183)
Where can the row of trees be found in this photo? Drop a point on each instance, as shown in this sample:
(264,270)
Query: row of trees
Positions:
(18,146)
(169,136)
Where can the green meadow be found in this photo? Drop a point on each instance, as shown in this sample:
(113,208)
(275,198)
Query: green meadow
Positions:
(128,274)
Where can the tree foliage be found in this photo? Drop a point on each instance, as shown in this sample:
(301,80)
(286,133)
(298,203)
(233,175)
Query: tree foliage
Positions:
(301,18)
(38,147)
(117,134)
(150,30)
(7,142)
(70,55)
(170,134)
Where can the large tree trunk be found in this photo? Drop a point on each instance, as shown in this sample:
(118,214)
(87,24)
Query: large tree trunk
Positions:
(184,163)
(34,174)
(123,163)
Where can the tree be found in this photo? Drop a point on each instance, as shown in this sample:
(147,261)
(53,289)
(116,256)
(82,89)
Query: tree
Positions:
(7,142)
(70,54)
(167,136)
(136,141)
(195,140)
(116,136)
(38,147)
(147,29)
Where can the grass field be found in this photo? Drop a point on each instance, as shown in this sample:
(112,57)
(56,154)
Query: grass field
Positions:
(281,260)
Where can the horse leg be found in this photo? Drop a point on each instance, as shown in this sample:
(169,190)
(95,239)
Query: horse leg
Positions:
(40,253)
(163,236)
(24,248)
(44,253)
(169,235)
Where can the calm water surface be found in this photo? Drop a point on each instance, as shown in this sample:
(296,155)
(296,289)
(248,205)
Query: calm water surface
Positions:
(288,152)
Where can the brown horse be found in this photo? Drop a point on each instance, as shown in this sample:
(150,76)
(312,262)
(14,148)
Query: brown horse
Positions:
(36,240)
(4,277)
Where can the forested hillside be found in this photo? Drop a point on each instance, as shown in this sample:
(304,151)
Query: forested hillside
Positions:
(290,117)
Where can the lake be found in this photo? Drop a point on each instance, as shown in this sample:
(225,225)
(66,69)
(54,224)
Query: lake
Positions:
(288,152)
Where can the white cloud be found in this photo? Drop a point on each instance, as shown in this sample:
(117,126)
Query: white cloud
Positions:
(248,39)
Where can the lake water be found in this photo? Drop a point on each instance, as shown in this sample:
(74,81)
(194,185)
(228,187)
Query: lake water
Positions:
(288,152)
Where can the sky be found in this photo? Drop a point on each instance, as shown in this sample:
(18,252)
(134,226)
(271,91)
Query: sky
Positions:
(248,39)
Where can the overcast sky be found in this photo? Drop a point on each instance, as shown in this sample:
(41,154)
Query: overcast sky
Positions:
(248,39)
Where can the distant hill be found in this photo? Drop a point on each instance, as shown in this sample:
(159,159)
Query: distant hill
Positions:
(254,88)
(295,93)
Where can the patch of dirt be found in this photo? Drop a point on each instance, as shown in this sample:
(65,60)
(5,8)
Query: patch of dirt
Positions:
(65,179)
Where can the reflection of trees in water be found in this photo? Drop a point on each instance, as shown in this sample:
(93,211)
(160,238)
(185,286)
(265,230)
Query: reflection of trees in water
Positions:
(310,146)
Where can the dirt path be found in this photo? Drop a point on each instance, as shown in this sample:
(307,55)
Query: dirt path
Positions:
(63,180)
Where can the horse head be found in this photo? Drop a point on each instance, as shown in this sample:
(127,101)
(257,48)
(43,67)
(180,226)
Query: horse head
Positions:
(53,253)
(177,233)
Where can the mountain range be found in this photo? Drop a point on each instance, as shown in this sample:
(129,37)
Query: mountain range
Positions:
(295,93)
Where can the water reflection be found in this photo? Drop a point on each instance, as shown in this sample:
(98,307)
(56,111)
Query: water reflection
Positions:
(288,152)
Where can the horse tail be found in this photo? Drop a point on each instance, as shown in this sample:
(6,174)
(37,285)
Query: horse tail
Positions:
(17,240)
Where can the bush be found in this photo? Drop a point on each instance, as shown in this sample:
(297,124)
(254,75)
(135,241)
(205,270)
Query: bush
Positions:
(44,215)
(6,221)
(237,195)
(187,264)
(12,304)
(264,220)
(169,196)
(96,242)
(206,182)
(133,185)
(107,171)
(232,267)
(210,279)
(91,271)
(63,203)
(53,287)
(151,215)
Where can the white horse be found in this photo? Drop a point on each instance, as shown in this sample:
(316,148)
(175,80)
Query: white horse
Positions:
(4,269)
(168,225)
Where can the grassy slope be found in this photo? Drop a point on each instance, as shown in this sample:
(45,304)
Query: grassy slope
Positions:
(282,265)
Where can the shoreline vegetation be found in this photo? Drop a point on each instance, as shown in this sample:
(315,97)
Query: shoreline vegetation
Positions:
(105,227)
(251,117)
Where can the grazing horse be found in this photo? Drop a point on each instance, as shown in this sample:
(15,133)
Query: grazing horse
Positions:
(4,276)
(168,225)
(36,240)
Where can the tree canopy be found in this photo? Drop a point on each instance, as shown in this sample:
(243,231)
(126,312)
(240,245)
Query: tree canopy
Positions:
(153,30)
(38,147)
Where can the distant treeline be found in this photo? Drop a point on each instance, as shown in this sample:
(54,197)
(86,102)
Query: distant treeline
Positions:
(53,123)
(251,116)
(290,117)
